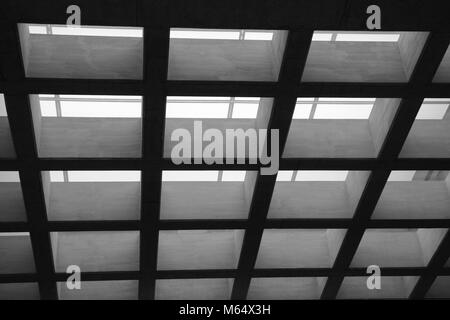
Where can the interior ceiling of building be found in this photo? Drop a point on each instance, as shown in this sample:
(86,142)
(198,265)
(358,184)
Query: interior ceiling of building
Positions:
(86,178)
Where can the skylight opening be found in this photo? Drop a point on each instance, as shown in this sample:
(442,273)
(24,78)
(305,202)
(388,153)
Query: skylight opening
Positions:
(262,36)
(285,175)
(9,176)
(302,111)
(313,175)
(98,97)
(187,175)
(355,100)
(37,29)
(203,176)
(355,36)
(343,111)
(368,37)
(91,106)
(212,110)
(192,98)
(248,99)
(108,109)
(3,112)
(243,110)
(321,36)
(96,176)
(402,175)
(48,108)
(212,107)
(334,108)
(233,175)
(14,234)
(57,176)
(204,34)
(86,31)
(430,110)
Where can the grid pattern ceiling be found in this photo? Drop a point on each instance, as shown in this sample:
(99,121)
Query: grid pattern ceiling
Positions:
(159,253)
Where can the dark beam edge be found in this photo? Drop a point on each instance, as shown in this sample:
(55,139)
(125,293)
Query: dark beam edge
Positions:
(226,224)
(156,55)
(218,88)
(22,131)
(224,273)
(434,269)
(404,16)
(285,164)
(294,59)
(422,75)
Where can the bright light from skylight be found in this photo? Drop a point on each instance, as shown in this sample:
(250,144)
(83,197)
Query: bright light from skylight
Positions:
(37,29)
(3,112)
(368,37)
(313,175)
(245,110)
(97,176)
(9,176)
(197,110)
(432,111)
(264,36)
(96,109)
(97,97)
(302,111)
(233,175)
(285,175)
(334,99)
(321,36)
(98,32)
(91,106)
(333,108)
(208,34)
(343,111)
(200,98)
(56,176)
(14,234)
(204,34)
(401,175)
(190,175)
(212,107)
(48,109)
(248,99)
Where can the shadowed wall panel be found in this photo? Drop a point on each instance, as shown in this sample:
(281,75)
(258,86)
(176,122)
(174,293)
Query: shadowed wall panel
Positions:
(198,59)
(414,200)
(199,249)
(203,200)
(193,289)
(19,291)
(6,144)
(391,288)
(89,137)
(16,253)
(428,138)
(85,57)
(94,201)
(96,251)
(285,288)
(11,202)
(100,290)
